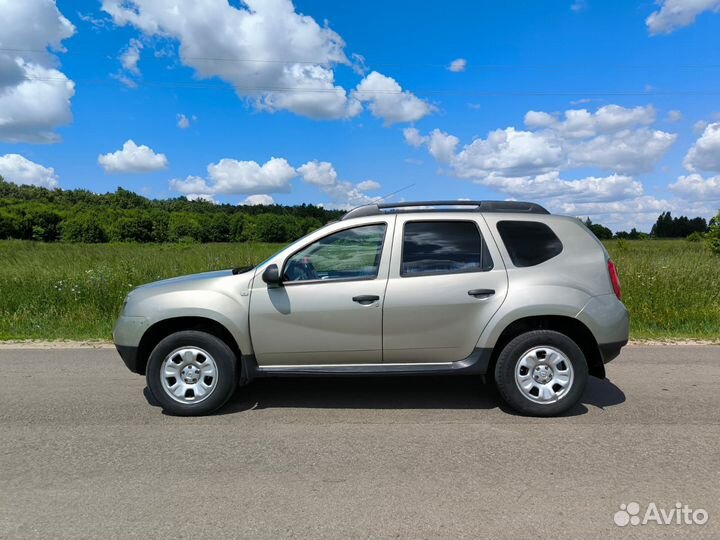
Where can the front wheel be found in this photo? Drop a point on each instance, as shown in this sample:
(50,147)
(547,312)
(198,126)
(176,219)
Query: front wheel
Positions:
(192,373)
(541,373)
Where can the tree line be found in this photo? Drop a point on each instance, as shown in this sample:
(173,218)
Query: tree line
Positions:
(666,226)
(79,215)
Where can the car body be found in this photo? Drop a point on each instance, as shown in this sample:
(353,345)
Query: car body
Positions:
(413,288)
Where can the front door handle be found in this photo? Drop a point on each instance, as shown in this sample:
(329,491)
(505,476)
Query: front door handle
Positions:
(366,299)
(481,293)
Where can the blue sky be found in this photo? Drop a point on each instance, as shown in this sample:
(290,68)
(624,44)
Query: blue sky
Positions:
(607,109)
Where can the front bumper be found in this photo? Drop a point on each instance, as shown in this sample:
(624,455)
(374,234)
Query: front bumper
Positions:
(127,334)
(130,357)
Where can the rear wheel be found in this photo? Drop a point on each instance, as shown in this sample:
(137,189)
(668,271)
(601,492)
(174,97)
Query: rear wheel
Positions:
(192,373)
(541,373)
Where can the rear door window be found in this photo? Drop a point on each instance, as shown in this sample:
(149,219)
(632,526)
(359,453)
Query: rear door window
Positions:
(443,247)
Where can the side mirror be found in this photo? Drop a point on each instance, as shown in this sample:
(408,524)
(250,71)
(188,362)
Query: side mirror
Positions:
(271,275)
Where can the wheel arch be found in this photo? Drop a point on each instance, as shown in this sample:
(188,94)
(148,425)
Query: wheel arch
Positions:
(161,329)
(569,326)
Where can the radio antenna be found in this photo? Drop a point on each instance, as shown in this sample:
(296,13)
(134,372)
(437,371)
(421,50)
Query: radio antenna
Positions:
(394,193)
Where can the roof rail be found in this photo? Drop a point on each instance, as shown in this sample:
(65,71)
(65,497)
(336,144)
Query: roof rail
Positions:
(479,206)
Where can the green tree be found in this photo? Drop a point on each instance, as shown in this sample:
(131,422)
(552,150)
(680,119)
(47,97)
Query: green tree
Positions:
(136,227)
(273,228)
(184,226)
(9,225)
(713,235)
(37,213)
(216,228)
(603,233)
(83,228)
(239,227)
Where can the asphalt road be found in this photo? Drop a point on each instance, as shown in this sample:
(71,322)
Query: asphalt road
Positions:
(83,454)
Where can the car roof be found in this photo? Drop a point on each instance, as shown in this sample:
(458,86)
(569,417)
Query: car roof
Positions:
(445,206)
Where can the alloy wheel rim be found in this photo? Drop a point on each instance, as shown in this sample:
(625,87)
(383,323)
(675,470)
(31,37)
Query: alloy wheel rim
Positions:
(189,375)
(544,375)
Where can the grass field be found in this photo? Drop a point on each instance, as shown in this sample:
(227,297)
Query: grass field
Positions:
(74,291)
(71,291)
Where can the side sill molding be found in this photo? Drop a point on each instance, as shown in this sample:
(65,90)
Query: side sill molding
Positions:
(475,364)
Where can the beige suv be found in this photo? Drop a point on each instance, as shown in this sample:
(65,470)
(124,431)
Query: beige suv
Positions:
(502,289)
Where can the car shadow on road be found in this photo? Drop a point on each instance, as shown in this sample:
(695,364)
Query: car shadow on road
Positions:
(391,393)
(395,393)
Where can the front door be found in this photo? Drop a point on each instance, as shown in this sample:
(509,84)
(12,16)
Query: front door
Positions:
(329,308)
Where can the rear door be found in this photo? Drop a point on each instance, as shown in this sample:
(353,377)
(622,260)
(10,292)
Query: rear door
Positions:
(443,288)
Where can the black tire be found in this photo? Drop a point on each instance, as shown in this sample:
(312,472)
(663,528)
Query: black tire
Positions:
(513,353)
(225,361)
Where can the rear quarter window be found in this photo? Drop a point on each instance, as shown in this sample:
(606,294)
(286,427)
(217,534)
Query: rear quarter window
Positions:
(529,242)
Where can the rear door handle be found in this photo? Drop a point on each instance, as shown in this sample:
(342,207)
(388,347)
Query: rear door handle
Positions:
(481,293)
(366,299)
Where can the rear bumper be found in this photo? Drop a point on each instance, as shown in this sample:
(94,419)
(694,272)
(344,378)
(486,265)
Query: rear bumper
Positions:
(610,351)
(608,320)
(130,357)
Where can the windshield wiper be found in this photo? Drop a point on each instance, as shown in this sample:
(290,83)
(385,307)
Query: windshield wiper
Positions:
(242,269)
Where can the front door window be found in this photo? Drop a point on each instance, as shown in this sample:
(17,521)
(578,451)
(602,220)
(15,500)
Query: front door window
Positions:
(350,254)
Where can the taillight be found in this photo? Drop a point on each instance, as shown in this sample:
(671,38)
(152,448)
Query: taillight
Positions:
(614,279)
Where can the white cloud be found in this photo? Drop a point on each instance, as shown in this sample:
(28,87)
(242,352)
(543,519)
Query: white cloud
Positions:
(699,127)
(387,100)
(413,137)
(257,200)
(191,186)
(613,139)
(132,159)
(580,123)
(505,152)
(232,177)
(458,65)
(19,170)
(674,14)
(533,163)
(368,185)
(314,95)
(704,155)
(131,56)
(342,194)
(551,186)
(674,116)
(640,212)
(320,174)
(578,5)
(442,145)
(261,47)
(183,122)
(695,187)
(96,23)
(29,77)
(627,151)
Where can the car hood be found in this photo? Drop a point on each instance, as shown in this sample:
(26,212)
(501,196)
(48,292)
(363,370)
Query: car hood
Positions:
(222,280)
(188,281)
(152,299)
